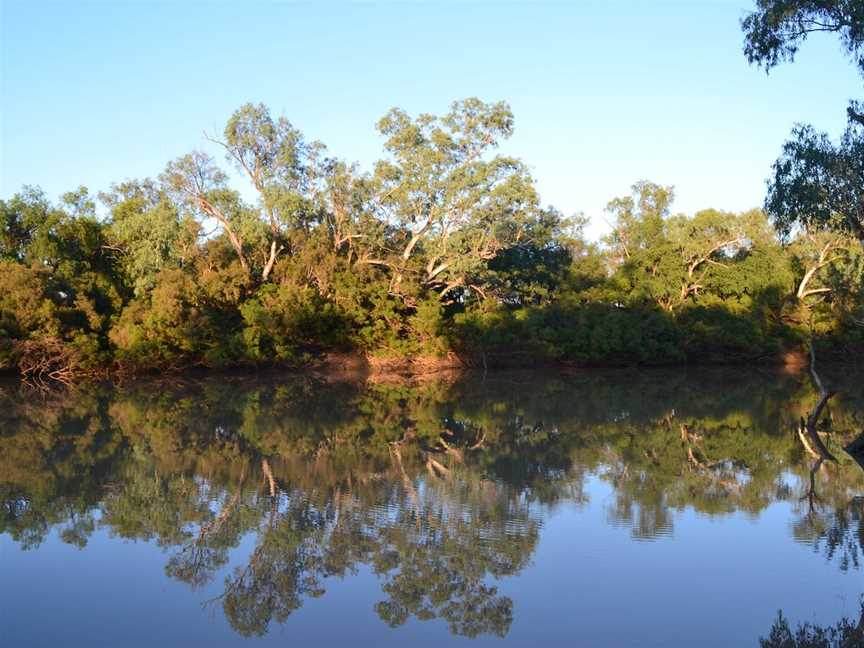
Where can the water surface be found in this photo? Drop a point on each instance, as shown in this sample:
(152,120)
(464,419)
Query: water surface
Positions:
(657,508)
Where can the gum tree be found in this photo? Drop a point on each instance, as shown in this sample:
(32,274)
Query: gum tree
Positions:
(456,204)
(815,183)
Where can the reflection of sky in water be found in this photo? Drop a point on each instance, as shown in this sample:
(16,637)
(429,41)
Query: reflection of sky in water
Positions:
(711,581)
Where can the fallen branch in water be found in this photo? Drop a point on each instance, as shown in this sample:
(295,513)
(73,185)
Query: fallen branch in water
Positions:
(808,428)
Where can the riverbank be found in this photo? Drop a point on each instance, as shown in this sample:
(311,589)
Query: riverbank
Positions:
(357,366)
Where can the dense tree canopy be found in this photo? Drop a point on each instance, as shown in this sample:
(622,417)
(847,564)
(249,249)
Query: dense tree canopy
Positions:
(443,250)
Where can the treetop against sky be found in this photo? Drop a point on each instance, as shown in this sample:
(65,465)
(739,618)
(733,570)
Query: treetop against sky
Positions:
(603,93)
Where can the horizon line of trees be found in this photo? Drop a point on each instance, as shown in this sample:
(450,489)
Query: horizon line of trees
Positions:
(443,248)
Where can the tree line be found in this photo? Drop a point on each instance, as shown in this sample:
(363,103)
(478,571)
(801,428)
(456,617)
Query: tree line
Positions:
(442,249)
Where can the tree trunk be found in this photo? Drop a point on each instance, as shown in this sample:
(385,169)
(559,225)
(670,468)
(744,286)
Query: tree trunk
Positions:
(271,260)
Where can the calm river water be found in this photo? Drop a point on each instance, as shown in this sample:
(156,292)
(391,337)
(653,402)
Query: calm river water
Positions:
(604,508)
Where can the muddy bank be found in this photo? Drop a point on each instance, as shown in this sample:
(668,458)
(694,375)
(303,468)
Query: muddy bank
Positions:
(357,366)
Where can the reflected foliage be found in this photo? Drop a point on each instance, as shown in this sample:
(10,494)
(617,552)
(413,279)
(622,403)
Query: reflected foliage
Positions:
(437,489)
(843,634)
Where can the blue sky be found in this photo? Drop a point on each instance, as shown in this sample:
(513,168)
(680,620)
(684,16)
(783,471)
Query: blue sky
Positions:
(604,93)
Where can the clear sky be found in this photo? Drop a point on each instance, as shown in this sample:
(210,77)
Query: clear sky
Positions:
(604,93)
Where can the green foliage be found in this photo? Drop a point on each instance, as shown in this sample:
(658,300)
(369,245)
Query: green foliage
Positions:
(774,32)
(280,321)
(57,286)
(456,205)
(444,249)
(172,324)
(585,334)
(818,184)
(147,233)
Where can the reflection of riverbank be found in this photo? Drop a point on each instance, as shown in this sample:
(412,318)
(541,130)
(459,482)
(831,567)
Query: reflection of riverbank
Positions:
(439,488)
(359,368)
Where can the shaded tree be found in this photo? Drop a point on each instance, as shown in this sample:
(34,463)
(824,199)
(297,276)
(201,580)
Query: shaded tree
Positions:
(816,183)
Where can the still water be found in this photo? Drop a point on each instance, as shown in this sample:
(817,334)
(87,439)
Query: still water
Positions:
(606,508)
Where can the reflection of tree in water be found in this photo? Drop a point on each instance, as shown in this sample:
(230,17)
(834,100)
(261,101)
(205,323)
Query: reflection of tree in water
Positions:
(436,559)
(435,487)
(832,519)
(286,566)
(833,522)
(713,464)
(434,544)
(846,633)
(55,456)
(830,511)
